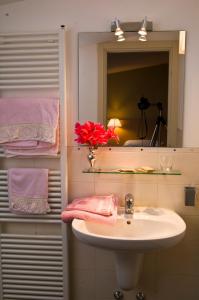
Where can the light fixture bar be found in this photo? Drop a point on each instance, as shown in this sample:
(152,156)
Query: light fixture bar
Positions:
(132,26)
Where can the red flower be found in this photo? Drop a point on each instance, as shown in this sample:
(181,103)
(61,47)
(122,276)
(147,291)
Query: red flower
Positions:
(94,134)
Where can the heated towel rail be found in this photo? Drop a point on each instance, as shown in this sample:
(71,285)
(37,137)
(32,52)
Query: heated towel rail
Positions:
(32,267)
(29,61)
(35,266)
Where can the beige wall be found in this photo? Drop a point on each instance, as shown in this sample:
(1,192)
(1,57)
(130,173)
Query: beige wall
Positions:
(168,274)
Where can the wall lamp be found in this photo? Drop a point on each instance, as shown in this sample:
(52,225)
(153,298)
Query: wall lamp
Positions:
(140,27)
(142,32)
(118,31)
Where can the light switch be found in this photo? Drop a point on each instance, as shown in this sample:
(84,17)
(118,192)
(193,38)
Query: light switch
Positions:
(190,196)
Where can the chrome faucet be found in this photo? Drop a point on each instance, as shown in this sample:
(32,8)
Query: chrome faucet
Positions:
(129,204)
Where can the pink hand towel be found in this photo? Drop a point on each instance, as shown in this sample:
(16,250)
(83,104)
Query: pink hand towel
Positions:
(68,216)
(28,119)
(28,190)
(101,209)
(102,205)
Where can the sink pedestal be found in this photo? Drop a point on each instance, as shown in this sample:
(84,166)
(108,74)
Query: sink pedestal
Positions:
(128,267)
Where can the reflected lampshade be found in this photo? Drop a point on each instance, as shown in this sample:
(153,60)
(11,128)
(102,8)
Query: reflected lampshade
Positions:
(114,123)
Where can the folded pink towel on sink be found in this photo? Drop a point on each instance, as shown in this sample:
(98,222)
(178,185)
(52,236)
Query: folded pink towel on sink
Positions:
(101,209)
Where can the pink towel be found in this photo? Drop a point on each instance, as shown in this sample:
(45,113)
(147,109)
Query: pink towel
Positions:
(101,209)
(38,151)
(29,126)
(28,190)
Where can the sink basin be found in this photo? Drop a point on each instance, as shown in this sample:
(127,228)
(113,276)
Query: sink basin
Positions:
(148,229)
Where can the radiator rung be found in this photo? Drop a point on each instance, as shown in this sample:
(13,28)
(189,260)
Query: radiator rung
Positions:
(29,251)
(27,246)
(28,81)
(30,57)
(29,241)
(32,257)
(15,87)
(29,297)
(19,52)
(28,39)
(55,220)
(31,236)
(29,262)
(33,282)
(29,70)
(28,75)
(27,267)
(26,46)
(29,63)
(36,272)
(55,279)
(32,292)
(31,287)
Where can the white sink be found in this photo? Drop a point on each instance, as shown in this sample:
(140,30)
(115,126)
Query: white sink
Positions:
(148,229)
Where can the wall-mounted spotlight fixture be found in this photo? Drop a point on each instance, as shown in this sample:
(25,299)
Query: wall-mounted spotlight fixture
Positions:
(120,38)
(140,27)
(142,32)
(118,31)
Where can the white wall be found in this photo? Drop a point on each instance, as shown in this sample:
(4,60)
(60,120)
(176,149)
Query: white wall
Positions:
(92,15)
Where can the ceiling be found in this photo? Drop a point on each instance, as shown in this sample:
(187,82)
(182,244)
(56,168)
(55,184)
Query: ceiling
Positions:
(8,1)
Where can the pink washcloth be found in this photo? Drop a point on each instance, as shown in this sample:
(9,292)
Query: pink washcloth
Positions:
(28,190)
(101,209)
(28,119)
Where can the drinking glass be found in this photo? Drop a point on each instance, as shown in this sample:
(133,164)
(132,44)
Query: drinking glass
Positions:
(166,163)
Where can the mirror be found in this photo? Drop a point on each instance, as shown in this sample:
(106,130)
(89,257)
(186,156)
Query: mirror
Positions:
(139,83)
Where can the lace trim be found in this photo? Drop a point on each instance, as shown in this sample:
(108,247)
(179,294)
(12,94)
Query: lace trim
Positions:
(28,205)
(17,132)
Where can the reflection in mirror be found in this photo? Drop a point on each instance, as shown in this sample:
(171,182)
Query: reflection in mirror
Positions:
(139,83)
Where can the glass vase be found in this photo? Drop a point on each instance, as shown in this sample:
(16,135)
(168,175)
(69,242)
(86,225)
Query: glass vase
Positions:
(91,158)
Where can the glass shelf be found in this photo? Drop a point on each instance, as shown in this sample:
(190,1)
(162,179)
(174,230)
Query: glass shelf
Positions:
(123,171)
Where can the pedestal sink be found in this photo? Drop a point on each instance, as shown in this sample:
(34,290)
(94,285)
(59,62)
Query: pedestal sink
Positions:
(148,229)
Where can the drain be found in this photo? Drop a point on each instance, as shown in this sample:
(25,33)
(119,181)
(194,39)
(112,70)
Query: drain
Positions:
(140,296)
(118,294)
(128,222)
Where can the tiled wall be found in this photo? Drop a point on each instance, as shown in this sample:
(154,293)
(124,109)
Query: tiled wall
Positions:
(171,274)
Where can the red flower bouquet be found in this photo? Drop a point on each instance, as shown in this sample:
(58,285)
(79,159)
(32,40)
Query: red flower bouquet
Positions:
(94,134)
